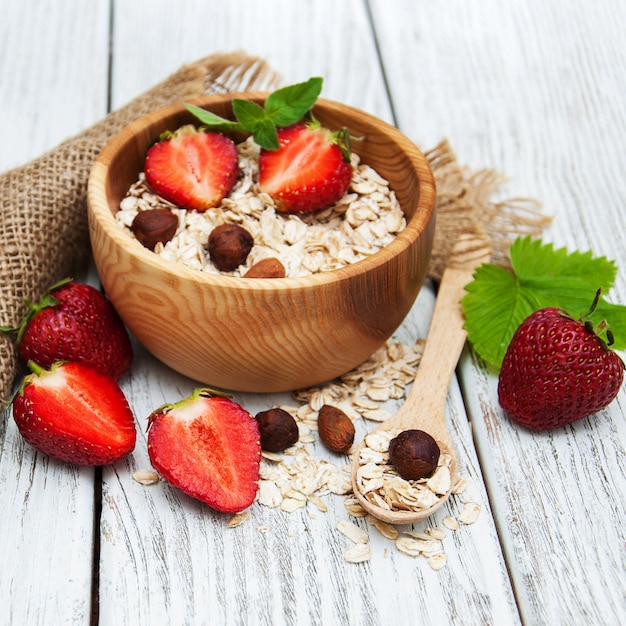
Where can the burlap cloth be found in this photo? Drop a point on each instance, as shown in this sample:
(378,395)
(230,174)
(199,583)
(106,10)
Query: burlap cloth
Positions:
(43,206)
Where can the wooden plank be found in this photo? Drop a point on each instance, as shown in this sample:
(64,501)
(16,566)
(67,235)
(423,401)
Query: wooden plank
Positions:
(53,70)
(533,89)
(167,559)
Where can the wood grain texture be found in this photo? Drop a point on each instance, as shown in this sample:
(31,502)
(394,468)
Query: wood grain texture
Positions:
(53,84)
(539,106)
(533,89)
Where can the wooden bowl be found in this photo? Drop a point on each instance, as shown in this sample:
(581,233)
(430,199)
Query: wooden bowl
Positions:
(262,335)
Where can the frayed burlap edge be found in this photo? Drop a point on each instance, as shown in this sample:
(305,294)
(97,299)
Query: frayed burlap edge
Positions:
(43,206)
(465,204)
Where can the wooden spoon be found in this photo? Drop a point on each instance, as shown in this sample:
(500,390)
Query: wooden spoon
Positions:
(424,408)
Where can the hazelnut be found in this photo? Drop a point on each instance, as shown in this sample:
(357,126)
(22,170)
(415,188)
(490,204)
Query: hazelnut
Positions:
(335,428)
(278,429)
(229,246)
(414,454)
(154,226)
(266,268)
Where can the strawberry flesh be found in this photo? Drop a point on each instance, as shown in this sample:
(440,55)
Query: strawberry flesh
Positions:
(307,173)
(556,371)
(208,447)
(75,414)
(191,168)
(76,322)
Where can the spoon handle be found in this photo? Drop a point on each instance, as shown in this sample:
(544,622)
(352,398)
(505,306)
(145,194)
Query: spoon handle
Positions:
(446,335)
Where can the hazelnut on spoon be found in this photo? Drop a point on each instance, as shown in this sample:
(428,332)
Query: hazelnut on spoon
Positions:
(424,408)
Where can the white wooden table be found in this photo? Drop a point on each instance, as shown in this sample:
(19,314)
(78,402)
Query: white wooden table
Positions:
(534,89)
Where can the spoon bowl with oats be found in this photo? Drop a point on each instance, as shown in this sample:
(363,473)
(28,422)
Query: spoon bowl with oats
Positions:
(377,485)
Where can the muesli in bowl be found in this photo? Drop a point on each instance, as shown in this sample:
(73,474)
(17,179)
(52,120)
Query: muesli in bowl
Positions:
(253,334)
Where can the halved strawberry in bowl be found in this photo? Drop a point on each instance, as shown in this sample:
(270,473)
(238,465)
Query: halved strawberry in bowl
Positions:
(208,446)
(192,168)
(311,169)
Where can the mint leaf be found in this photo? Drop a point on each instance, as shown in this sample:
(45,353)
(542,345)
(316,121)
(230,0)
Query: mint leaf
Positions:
(283,107)
(265,135)
(254,118)
(212,121)
(289,105)
(498,300)
(248,113)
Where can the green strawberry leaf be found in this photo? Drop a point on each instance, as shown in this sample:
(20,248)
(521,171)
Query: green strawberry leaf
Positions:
(283,107)
(498,300)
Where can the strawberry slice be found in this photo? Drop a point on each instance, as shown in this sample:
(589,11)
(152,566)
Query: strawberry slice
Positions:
(310,171)
(75,414)
(191,168)
(208,447)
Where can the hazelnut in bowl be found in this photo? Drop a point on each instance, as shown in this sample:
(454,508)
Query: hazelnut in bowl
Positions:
(263,332)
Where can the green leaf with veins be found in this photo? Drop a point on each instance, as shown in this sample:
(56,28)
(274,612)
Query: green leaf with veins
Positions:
(283,107)
(498,300)
(288,105)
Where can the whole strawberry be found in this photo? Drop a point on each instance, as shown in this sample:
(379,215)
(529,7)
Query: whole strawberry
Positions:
(75,322)
(75,414)
(209,447)
(556,370)
(310,171)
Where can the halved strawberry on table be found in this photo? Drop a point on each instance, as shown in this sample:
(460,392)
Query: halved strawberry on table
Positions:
(311,169)
(75,414)
(209,447)
(192,168)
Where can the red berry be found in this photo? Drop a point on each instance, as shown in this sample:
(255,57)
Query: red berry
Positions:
(191,168)
(75,414)
(310,171)
(556,371)
(75,322)
(208,447)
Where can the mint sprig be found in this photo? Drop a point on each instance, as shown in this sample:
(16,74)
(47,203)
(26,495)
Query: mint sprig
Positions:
(498,300)
(283,107)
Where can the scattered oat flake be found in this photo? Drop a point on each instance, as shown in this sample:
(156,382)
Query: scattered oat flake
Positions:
(469,514)
(408,546)
(437,533)
(146,477)
(438,561)
(450,523)
(358,553)
(318,502)
(389,531)
(264,529)
(237,519)
(289,505)
(352,531)
(269,494)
